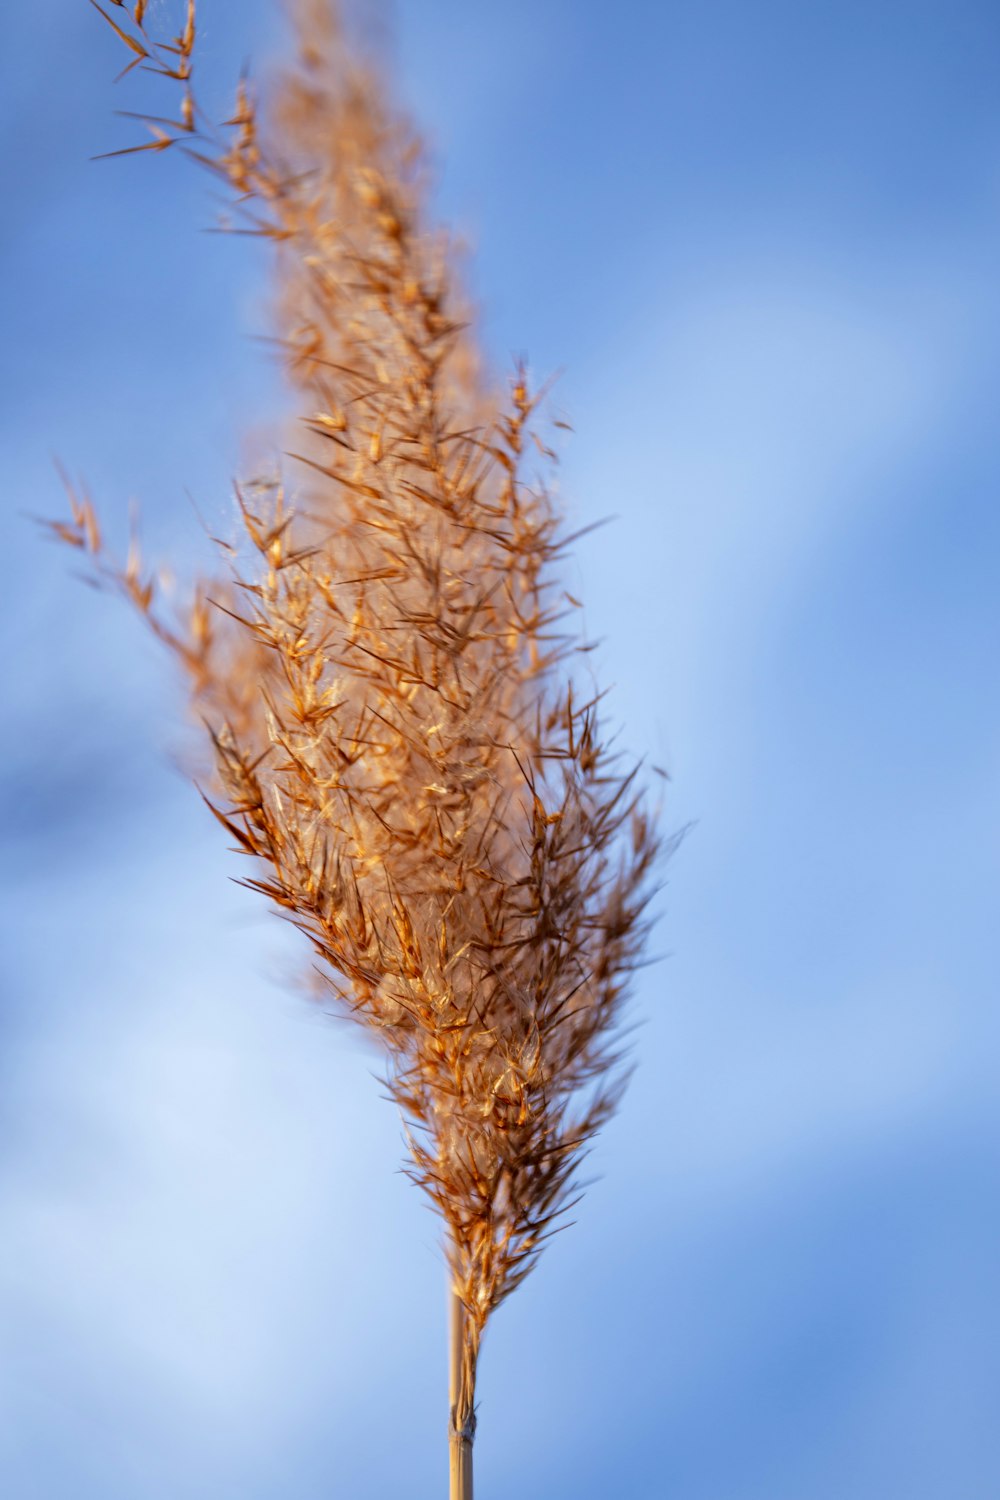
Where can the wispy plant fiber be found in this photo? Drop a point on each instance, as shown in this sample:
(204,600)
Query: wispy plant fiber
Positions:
(390,688)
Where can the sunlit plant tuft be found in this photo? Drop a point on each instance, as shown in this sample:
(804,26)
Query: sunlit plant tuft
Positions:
(388,685)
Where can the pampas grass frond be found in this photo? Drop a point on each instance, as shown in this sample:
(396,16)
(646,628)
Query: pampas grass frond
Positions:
(401,746)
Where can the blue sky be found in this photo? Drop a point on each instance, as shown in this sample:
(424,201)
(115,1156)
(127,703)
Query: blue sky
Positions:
(761,244)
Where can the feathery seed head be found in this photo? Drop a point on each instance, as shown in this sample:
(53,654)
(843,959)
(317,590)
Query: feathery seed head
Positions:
(387,684)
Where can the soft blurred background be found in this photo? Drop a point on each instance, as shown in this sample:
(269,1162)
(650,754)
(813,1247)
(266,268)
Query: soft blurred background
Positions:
(761,243)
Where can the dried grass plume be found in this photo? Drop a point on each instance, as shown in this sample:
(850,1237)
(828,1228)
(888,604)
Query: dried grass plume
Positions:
(401,744)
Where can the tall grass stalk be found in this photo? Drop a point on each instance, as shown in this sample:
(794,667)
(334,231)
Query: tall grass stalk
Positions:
(404,741)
